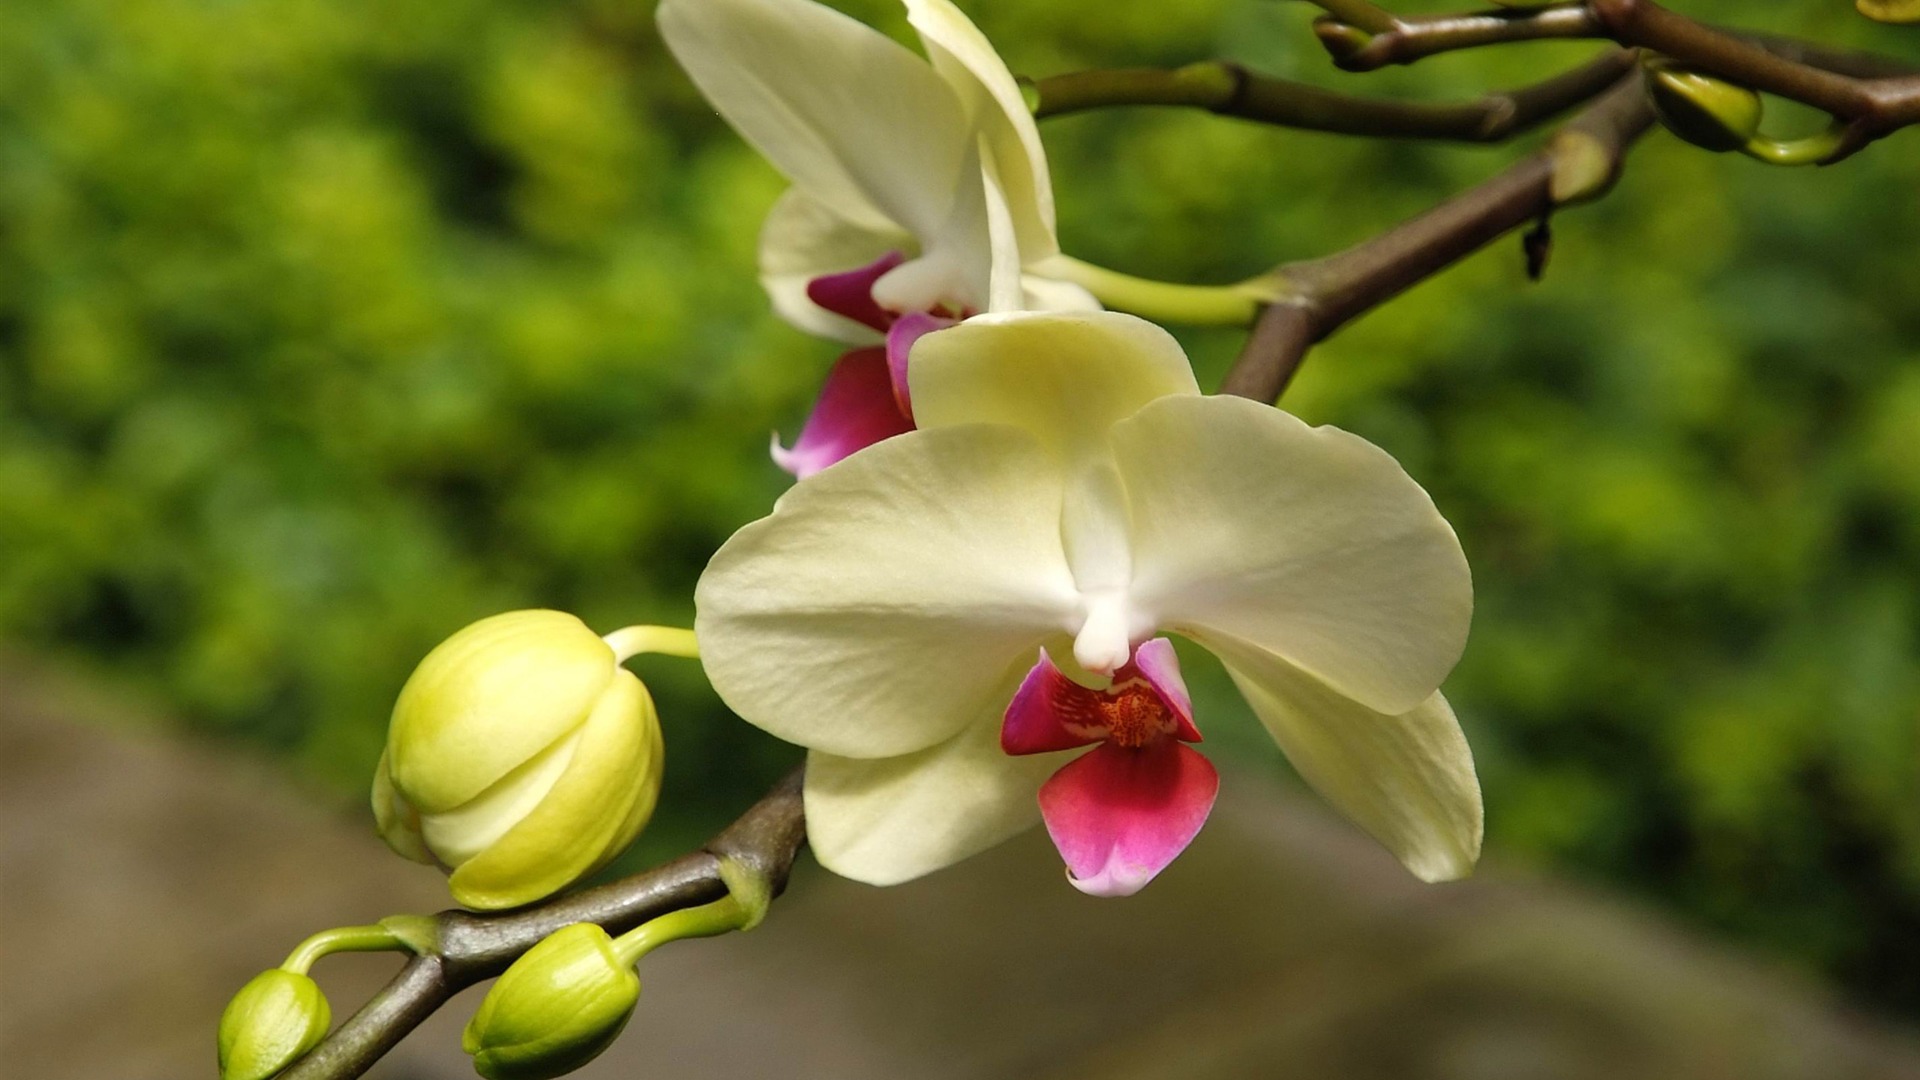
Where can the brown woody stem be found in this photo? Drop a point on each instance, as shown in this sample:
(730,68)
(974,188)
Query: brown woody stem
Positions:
(467,948)
(1580,163)
(1873,96)
(1231,90)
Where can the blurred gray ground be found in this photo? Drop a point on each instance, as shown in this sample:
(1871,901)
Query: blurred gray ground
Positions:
(143,880)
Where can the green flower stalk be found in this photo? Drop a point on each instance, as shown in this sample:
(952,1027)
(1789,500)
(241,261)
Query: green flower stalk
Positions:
(281,1014)
(521,756)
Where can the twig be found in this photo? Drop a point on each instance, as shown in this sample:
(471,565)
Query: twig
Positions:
(1873,96)
(469,948)
(1403,39)
(1231,90)
(1580,163)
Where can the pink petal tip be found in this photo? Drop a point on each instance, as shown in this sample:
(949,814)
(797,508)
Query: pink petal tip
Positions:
(855,410)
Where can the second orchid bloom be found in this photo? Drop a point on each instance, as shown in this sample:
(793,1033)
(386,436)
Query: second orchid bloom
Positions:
(920,188)
(963,623)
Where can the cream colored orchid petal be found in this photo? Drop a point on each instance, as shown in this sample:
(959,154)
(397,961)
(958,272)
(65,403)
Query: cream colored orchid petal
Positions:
(879,607)
(1005,291)
(854,119)
(956,266)
(1064,377)
(1052,294)
(802,240)
(1309,543)
(888,821)
(1406,779)
(971,65)
(572,830)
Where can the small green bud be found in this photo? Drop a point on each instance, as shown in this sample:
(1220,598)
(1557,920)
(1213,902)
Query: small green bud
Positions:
(1709,113)
(521,757)
(1340,40)
(1890,11)
(270,1023)
(562,1003)
(1029,92)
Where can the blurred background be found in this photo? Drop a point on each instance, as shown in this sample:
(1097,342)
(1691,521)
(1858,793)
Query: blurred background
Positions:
(328,326)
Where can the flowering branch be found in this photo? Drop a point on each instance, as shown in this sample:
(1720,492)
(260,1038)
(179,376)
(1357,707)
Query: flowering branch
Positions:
(455,949)
(1231,90)
(1869,97)
(1580,163)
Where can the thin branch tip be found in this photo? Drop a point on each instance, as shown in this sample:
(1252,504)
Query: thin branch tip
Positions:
(1871,96)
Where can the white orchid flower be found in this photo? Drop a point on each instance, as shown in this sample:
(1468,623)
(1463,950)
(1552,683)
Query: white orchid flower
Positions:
(1070,496)
(920,187)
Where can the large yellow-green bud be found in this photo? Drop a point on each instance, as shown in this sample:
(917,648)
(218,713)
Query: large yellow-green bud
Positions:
(521,757)
(1710,113)
(1892,11)
(555,1009)
(270,1023)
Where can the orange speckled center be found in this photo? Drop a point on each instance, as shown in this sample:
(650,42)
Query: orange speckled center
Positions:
(1135,716)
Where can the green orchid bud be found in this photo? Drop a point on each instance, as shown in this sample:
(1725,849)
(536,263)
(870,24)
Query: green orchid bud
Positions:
(521,757)
(1890,11)
(270,1023)
(555,1009)
(1709,113)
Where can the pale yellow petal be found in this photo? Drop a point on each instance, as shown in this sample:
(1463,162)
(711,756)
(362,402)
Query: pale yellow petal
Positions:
(854,119)
(802,240)
(1309,543)
(1406,779)
(1005,291)
(888,821)
(877,610)
(1065,377)
(1052,294)
(956,263)
(969,62)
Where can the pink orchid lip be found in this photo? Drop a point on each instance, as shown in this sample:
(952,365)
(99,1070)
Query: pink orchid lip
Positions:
(1121,812)
(856,409)
(1120,815)
(849,293)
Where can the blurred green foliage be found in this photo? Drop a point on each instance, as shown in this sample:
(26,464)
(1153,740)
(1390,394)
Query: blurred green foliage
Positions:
(327,326)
